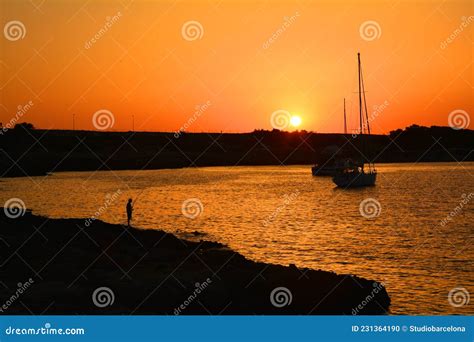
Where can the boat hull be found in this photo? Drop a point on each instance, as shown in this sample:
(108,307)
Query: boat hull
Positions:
(355,180)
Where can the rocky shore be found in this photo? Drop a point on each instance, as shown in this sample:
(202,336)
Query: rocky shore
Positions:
(65,266)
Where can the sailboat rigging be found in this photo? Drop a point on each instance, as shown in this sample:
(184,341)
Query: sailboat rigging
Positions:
(354,174)
(345,121)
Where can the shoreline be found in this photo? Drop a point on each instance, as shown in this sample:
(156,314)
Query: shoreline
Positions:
(154,272)
(92,151)
(309,165)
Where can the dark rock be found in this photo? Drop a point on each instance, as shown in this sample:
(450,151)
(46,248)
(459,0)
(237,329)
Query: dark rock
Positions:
(153,272)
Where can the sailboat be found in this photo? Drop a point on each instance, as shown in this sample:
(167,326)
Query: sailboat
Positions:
(355,174)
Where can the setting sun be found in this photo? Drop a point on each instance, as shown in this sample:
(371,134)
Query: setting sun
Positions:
(295,120)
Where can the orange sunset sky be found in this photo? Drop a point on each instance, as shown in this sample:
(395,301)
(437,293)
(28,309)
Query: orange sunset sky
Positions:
(247,58)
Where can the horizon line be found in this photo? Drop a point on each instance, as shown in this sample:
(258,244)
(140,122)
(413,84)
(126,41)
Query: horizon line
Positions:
(228,132)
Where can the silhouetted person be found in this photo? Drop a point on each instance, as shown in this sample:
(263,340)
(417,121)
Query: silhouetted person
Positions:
(129,211)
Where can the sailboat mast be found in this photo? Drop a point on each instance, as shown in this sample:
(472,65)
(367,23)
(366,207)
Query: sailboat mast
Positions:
(366,116)
(361,132)
(345,122)
(360,95)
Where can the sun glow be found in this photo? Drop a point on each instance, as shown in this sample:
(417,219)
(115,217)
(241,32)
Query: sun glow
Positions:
(295,120)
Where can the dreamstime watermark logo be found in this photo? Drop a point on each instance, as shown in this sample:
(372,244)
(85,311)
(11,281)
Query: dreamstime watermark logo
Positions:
(459,296)
(465,22)
(14,208)
(14,30)
(280,119)
(287,22)
(103,296)
(377,110)
(280,297)
(21,110)
(200,109)
(370,208)
(109,22)
(464,201)
(370,30)
(109,199)
(377,288)
(19,291)
(192,30)
(192,208)
(47,329)
(459,119)
(199,288)
(287,199)
(103,119)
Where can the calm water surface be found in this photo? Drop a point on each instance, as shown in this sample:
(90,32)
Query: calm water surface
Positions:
(284,215)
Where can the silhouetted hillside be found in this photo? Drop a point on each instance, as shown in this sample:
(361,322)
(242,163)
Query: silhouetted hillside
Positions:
(27,151)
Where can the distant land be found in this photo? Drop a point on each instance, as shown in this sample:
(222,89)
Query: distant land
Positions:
(28,151)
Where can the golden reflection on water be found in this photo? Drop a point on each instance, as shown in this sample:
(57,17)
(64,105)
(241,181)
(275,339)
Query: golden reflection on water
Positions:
(284,215)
